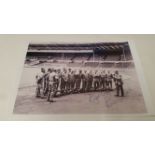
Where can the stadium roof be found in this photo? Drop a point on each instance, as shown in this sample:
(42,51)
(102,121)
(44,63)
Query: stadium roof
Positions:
(60,51)
(107,46)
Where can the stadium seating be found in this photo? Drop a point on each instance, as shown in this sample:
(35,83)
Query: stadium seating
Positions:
(91,64)
(108,65)
(82,57)
(74,64)
(87,58)
(112,58)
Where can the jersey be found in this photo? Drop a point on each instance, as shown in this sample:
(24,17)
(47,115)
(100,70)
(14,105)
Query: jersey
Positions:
(39,77)
(51,77)
(109,77)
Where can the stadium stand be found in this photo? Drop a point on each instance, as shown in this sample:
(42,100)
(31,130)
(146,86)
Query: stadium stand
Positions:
(72,64)
(107,64)
(103,54)
(112,57)
(91,64)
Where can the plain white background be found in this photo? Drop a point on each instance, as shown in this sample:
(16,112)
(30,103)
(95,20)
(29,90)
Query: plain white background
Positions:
(77,16)
(80,16)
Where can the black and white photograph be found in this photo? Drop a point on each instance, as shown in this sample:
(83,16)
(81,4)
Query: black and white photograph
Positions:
(79,78)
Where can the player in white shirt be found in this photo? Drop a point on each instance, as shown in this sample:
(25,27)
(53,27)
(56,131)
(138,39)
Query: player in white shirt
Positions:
(51,85)
(40,83)
(109,80)
(103,80)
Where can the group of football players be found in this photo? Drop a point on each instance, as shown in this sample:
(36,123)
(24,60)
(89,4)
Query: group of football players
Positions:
(58,82)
